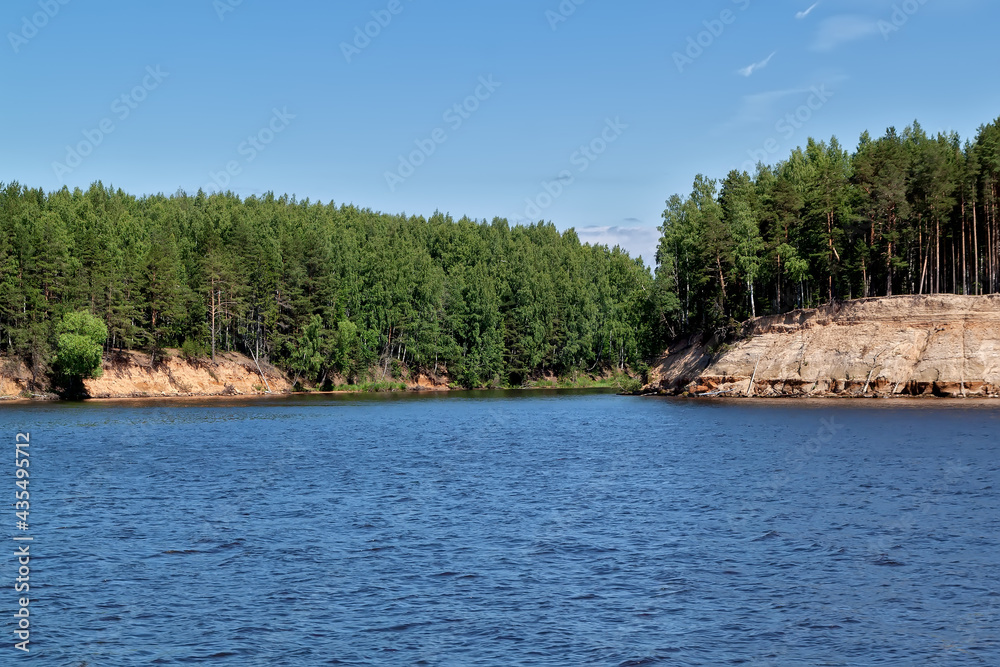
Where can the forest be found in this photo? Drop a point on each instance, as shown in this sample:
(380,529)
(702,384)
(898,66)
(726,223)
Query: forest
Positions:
(328,292)
(906,213)
(317,290)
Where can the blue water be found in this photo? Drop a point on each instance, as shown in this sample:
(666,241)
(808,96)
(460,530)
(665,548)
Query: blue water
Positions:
(565,528)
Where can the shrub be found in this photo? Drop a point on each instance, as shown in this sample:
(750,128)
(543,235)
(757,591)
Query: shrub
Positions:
(80,346)
(193,350)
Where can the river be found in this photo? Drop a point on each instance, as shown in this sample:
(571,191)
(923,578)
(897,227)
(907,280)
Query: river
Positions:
(502,528)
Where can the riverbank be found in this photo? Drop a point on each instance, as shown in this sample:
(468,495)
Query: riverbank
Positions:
(934,345)
(135,375)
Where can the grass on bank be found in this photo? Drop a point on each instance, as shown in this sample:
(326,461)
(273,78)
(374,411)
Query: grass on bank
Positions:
(626,382)
(372,387)
(620,381)
(360,388)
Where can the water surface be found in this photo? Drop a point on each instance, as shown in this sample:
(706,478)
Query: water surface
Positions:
(556,528)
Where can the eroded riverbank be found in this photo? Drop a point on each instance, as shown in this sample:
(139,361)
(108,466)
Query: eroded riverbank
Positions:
(935,345)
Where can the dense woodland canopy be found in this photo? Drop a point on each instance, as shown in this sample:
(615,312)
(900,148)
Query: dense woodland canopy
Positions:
(318,290)
(906,213)
(326,291)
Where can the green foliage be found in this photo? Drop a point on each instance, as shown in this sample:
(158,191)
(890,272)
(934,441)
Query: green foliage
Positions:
(192,350)
(328,293)
(334,293)
(906,213)
(80,347)
(309,356)
(371,387)
(626,384)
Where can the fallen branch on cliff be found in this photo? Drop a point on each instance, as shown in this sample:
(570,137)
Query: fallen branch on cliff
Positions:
(718,393)
(753,377)
(870,374)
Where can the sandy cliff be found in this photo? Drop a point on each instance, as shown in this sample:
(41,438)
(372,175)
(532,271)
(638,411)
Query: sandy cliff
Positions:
(943,345)
(134,375)
(130,374)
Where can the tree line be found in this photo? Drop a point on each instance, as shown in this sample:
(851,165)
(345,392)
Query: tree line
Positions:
(339,293)
(906,213)
(319,290)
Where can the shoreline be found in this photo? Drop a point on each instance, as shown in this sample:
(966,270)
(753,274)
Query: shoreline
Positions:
(281,395)
(816,398)
(986,401)
(134,376)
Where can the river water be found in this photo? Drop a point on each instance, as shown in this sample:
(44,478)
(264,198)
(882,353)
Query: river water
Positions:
(557,528)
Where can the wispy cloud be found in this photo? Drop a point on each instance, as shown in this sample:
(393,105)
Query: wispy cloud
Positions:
(839,30)
(636,240)
(801,15)
(760,107)
(771,105)
(750,69)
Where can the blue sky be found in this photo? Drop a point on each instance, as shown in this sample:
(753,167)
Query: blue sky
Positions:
(588,113)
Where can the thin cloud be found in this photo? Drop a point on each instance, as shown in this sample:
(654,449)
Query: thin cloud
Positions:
(843,29)
(771,105)
(760,107)
(638,241)
(750,69)
(801,15)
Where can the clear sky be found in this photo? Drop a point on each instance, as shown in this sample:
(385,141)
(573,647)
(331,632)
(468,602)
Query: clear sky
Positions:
(588,113)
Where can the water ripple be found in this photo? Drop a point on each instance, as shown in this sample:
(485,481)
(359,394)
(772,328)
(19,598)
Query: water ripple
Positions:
(564,528)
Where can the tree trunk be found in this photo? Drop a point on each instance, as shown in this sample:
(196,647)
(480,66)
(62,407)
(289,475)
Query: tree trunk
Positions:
(954,273)
(923,274)
(213,309)
(937,256)
(989,253)
(996,240)
(965,270)
(888,257)
(722,279)
(833,251)
(975,249)
(864,280)
(778,281)
(921,258)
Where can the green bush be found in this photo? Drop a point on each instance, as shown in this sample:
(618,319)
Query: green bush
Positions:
(193,350)
(80,346)
(627,384)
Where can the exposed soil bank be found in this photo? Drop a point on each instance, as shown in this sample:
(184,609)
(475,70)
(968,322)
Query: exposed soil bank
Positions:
(136,375)
(940,345)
